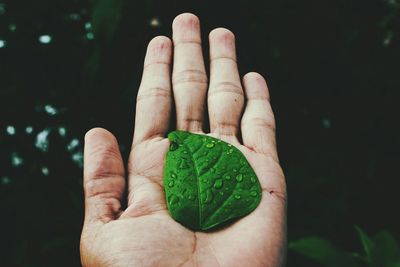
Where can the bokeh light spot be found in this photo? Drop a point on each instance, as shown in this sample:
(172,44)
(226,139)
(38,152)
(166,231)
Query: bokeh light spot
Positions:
(42,142)
(3,43)
(10,130)
(73,144)
(45,39)
(90,36)
(28,129)
(62,131)
(16,160)
(5,180)
(45,170)
(51,110)
(155,22)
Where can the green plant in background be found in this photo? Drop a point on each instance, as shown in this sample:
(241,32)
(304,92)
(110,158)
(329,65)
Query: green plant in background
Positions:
(67,66)
(208,181)
(105,17)
(381,250)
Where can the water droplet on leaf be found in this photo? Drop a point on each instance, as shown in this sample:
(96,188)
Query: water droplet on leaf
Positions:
(218,184)
(183,165)
(253,193)
(173,200)
(210,145)
(171,184)
(239,178)
(207,196)
(173,175)
(237,196)
(173,146)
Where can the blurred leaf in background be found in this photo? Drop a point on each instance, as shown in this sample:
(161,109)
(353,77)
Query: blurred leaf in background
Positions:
(380,251)
(332,67)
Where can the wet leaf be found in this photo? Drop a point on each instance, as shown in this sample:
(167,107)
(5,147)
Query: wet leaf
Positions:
(386,251)
(324,252)
(207,181)
(106,16)
(366,242)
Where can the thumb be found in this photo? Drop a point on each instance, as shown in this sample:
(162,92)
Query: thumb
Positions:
(104,181)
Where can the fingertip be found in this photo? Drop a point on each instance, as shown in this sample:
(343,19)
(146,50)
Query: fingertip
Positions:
(254,76)
(159,50)
(100,142)
(101,154)
(98,133)
(255,86)
(186,28)
(222,34)
(222,44)
(185,19)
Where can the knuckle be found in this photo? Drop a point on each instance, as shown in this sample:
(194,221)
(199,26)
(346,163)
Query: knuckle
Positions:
(225,128)
(257,122)
(105,162)
(226,87)
(104,151)
(190,76)
(190,124)
(104,187)
(153,92)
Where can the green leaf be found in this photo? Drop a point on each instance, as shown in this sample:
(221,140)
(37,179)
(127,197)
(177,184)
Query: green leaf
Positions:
(207,181)
(323,252)
(105,16)
(386,251)
(366,242)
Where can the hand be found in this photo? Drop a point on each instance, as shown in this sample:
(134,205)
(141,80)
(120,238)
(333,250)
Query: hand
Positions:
(144,234)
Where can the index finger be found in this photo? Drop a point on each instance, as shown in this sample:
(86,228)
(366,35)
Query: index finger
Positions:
(153,104)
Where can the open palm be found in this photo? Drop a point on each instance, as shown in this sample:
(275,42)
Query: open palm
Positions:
(144,234)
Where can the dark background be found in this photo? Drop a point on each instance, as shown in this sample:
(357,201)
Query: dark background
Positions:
(333,72)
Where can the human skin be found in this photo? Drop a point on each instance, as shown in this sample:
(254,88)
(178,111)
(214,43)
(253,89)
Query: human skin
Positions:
(143,233)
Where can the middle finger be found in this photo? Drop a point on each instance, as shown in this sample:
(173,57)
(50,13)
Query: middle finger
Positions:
(189,79)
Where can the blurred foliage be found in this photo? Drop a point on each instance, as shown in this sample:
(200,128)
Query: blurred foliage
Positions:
(380,251)
(332,68)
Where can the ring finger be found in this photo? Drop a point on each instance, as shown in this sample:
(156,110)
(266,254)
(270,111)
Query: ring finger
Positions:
(225,96)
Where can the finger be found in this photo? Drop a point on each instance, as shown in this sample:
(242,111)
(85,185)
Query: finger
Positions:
(225,96)
(104,181)
(258,123)
(153,104)
(189,79)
